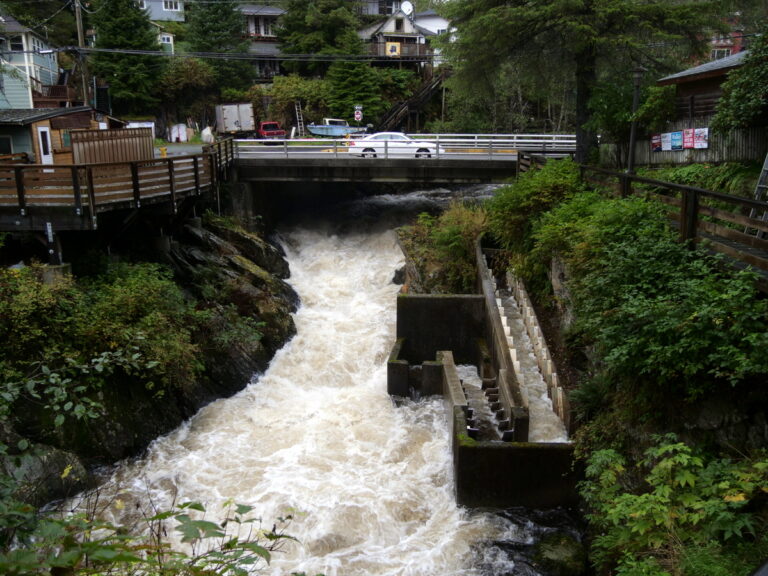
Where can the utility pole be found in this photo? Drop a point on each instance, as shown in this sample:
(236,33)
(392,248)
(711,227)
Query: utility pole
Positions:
(81,45)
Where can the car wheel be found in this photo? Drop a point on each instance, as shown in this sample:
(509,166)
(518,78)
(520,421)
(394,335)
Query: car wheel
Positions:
(369,153)
(423,153)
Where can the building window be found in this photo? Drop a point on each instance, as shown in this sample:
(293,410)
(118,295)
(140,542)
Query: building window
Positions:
(17,44)
(718,53)
(171,5)
(386,7)
(6,146)
(398,24)
(142,4)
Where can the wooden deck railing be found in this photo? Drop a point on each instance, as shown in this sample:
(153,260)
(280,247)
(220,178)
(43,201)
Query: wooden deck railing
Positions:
(58,193)
(731,225)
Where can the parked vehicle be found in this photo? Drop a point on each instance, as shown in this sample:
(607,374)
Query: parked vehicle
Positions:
(271,130)
(235,120)
(392,144)
(334,128)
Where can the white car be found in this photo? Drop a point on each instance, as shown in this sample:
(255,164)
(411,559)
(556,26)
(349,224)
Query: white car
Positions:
(392,144)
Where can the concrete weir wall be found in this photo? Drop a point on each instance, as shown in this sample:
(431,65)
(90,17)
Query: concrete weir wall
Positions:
(434,333)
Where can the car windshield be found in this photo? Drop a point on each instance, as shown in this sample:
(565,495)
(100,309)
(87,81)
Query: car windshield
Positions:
(270,126)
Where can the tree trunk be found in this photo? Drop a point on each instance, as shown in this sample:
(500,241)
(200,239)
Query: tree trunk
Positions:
(586,76)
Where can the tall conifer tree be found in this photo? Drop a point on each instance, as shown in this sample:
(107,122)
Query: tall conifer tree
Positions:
(587,32)
(121,25)
(217,26)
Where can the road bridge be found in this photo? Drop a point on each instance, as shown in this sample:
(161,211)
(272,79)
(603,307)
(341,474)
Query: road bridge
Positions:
(452,159)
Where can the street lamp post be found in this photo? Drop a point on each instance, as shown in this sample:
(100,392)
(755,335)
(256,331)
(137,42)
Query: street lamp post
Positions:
(637,76)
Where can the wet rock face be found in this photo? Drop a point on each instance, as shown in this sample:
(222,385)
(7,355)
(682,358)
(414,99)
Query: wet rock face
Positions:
(214,268)
(231,286)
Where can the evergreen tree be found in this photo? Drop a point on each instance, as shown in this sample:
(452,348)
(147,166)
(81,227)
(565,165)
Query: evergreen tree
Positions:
(217,26)
(121,25)
(745,92)
(318,28)
(51,19)
(584,34)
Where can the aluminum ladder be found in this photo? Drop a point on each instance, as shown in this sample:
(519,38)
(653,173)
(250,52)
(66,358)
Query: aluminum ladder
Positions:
(761,194)
(299,119)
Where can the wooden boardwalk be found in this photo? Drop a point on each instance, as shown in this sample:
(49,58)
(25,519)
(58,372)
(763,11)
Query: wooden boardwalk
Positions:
(34,197)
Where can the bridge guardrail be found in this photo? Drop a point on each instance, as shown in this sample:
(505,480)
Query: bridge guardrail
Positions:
(449,146)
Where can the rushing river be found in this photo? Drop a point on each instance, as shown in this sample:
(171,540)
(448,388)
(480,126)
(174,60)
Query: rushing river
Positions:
(369,484)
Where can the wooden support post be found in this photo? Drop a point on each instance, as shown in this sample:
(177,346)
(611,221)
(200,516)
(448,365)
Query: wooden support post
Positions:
(136,184)
(688,216)
(76,190)
(196,169)
(19,175)
(172,183)
(91,195)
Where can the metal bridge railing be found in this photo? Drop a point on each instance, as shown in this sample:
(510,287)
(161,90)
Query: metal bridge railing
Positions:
(448,146)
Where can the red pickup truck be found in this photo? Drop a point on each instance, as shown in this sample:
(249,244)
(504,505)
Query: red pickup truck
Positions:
(271,130)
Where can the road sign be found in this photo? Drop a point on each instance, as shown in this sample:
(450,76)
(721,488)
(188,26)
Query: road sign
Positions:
(358,115)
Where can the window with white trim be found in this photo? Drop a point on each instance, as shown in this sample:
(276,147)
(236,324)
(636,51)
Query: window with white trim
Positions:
(171,5)
(718,53)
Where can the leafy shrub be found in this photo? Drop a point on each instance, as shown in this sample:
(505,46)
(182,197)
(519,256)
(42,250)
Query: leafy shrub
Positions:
(140,305)
(660,316)
(682,502)
(443,248)
(514,208)
(734,178)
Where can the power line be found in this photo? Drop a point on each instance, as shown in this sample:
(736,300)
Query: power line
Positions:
(243,55)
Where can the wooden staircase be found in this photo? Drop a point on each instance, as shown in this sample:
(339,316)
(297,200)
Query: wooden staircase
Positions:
(394,118)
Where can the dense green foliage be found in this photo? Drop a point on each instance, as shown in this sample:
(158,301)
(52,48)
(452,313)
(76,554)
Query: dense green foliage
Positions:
(217,26)
(443,248)
(514,208)
(52,19)
(664,320)
(662,327)
(319,28)
(687,513)
(131,78)
(596,40)
(66,343)
(745,92)
(735,178)
(185,86)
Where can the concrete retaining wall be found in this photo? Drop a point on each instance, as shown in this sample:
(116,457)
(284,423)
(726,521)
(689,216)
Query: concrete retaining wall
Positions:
(503,474)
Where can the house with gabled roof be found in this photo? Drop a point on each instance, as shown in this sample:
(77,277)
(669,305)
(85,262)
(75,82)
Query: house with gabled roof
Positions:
(31,77)
(698,89)
(398,39)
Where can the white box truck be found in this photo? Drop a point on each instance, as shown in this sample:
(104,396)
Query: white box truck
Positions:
(236,120)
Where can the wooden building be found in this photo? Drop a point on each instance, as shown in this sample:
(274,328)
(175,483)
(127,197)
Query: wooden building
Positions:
(44,134)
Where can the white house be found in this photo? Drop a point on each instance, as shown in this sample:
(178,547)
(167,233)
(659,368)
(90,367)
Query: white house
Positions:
(397,37)
(432,21)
